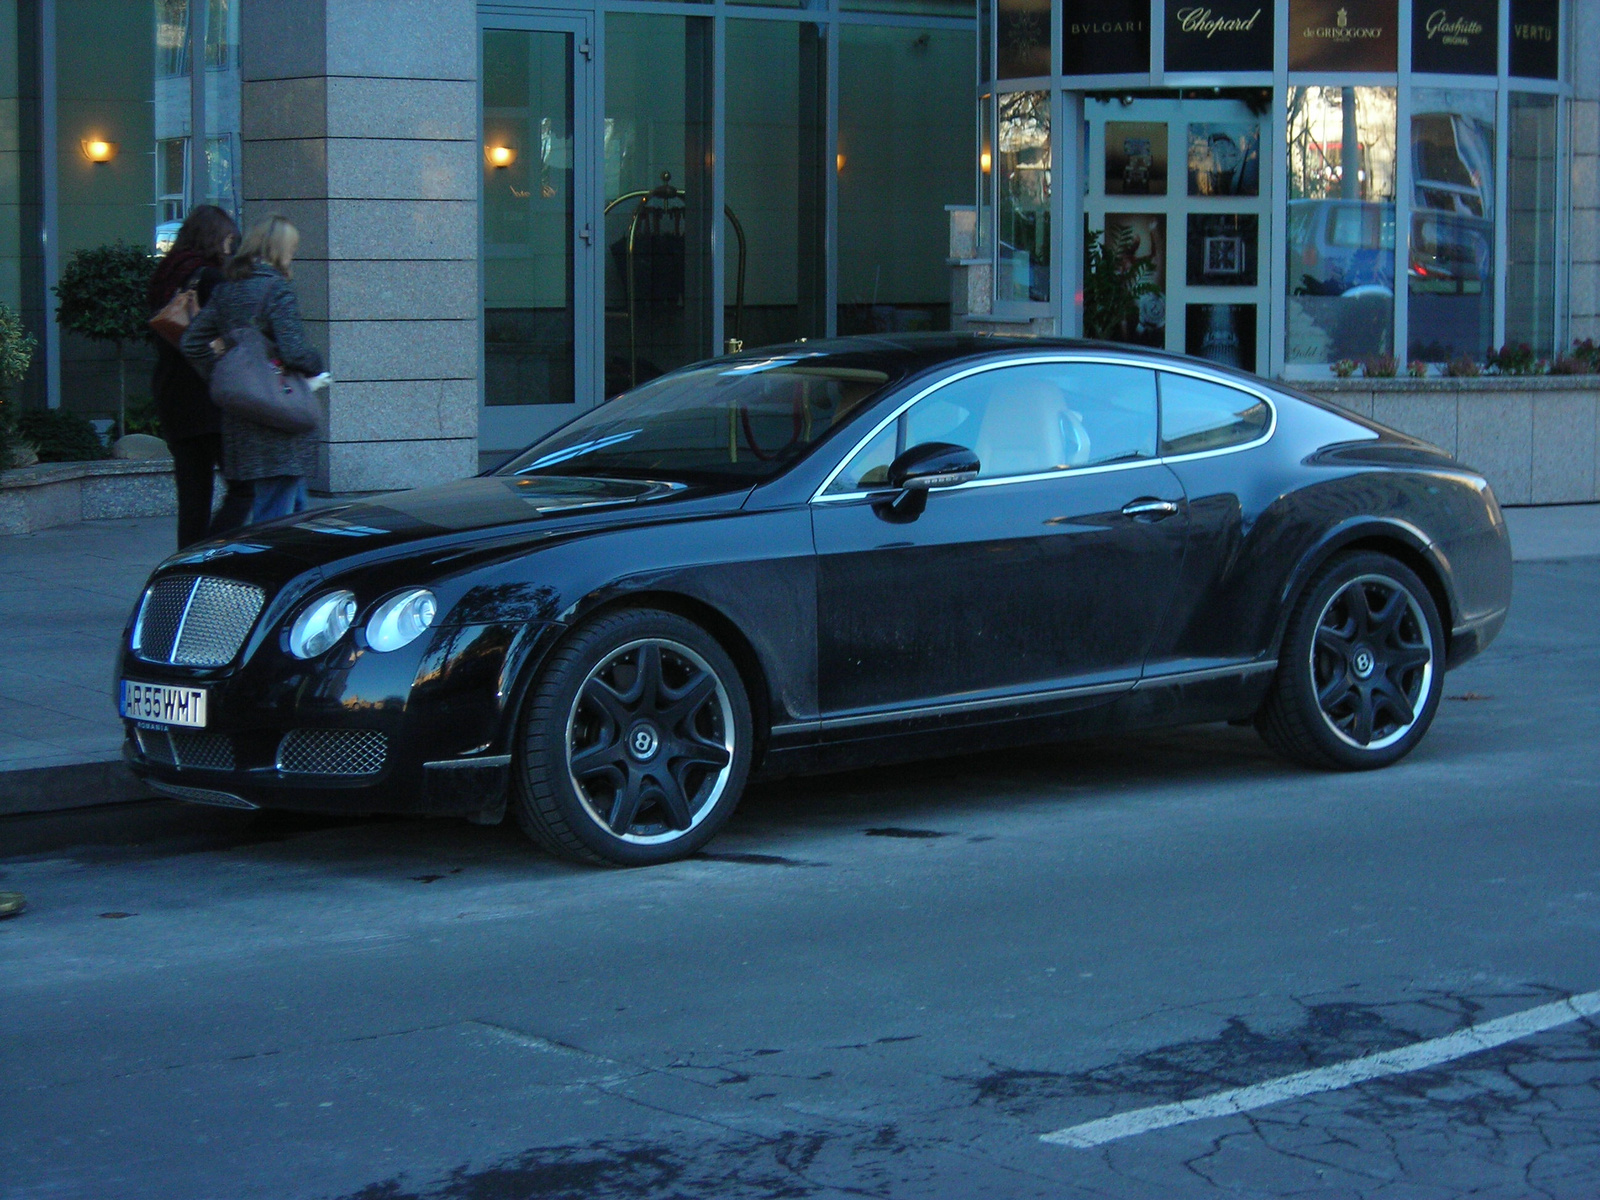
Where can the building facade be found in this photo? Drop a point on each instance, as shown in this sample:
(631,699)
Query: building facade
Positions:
(511,211)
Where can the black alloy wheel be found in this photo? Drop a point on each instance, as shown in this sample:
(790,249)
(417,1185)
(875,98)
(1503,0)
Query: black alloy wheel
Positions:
(1361,668)
(636,742)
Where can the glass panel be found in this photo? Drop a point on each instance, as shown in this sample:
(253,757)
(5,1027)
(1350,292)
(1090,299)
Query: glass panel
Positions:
(900,161)
(1341,167)
(1452,225)
(929,8)
(1023,38)
(222,185)
(659,220)
(775,183)
(1023,269)
(1197,416)
(527,218)
(1531,194)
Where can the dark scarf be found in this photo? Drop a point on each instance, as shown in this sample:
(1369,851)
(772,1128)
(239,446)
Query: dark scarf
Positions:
(175,270)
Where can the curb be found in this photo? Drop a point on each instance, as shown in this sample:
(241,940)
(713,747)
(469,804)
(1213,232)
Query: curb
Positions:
(79,785)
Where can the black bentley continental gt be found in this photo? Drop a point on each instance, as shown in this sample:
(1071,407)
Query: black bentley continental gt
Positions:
(822,556)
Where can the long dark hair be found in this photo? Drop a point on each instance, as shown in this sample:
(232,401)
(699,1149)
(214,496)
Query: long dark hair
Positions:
(206,231)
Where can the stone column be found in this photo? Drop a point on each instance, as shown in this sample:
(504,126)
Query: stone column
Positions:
(360,126)
(1584,241)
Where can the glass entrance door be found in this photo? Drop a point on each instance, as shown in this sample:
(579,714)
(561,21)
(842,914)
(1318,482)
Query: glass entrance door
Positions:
(1176,186)
(537,236)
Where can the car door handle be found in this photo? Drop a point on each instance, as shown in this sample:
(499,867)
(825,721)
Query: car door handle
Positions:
(1149,509)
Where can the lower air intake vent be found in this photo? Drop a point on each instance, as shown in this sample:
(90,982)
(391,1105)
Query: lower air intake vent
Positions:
(332,752)
(200,795)
(186,750)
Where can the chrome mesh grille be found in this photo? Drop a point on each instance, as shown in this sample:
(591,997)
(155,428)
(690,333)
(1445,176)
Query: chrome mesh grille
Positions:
(196,620)
(200,795)
(187,750)
(332,752)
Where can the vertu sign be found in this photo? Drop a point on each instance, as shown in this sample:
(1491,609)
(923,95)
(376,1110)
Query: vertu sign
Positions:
(1455,37)
(1343,35)
(1536,39)
(1229,35)
(1105,37)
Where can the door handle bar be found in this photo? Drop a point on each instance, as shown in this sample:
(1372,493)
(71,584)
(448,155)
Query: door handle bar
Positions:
(1152,508)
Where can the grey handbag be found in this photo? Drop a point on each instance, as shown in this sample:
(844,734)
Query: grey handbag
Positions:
(246,383)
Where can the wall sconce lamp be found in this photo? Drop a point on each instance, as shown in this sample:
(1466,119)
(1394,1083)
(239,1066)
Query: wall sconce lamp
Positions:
(985,162)
(499,156)
(98,150)
(838,163)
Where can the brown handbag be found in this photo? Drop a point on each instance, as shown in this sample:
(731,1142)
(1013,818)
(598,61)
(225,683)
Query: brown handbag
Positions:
(169,324)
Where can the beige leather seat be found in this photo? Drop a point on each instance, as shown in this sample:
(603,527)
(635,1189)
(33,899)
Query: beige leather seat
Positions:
(1028,428)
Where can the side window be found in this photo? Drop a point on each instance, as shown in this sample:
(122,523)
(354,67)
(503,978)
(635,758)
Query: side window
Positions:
(1197,415)
(1025,421)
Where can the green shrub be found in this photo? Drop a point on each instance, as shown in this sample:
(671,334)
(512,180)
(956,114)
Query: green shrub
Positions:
(1463,368)
(103,297)
(1516,359)
(1380,366)
(17,348)
(61,436)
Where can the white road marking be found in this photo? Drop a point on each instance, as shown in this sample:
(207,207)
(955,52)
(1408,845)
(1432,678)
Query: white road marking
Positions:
(1330,1079)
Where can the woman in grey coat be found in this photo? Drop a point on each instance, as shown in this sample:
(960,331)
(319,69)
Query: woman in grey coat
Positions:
(273,464)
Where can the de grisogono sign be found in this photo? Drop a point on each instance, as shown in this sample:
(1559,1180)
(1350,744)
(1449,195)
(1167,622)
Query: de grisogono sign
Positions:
(1343,35)
(1228,35)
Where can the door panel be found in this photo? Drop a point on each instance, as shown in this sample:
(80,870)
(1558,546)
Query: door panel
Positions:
(1032,584)
(537,236)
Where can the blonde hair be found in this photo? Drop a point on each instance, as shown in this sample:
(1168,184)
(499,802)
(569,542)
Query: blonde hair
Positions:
(272,241)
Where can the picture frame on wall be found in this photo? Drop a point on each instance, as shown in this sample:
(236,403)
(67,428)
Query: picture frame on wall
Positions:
(1136,158)
(1221,333)
(1142,238)
(1225,159)
(1222,250)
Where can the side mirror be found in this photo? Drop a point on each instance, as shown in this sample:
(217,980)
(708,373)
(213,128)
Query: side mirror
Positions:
(933,465)
(919,469)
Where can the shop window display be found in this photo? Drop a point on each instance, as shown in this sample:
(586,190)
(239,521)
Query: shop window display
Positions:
(1341,230)
(1024,197)
(1531,198)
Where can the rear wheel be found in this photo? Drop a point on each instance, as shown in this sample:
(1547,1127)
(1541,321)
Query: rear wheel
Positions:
(1361,668)
(635,742)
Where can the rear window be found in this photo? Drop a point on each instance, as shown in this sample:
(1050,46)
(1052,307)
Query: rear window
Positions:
(1197,415)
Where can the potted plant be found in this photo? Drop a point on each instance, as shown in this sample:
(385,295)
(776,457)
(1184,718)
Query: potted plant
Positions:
(103,297)
(1113,282)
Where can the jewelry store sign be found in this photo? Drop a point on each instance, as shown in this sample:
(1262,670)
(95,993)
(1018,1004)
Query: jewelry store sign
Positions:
(1229,35)
(1455,37)
(1105,37)
(1343,35)
(1536,39)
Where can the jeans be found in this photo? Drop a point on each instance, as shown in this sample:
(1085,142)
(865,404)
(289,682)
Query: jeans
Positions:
(278,497)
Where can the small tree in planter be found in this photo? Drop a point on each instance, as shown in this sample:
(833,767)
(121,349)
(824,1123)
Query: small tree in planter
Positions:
(17,348)
(102,293)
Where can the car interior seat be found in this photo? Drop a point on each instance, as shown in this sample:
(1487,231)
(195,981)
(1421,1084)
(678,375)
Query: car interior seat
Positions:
(1029,427)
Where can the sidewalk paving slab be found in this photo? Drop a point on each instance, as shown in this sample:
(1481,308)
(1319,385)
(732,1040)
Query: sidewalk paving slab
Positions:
(65,594)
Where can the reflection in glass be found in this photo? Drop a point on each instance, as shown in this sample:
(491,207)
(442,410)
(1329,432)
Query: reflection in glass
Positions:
(1531,192)
(527,218)
(1340,244)
(1023,204)
(776,139)
(659,220)
(222,182)
(899,163)
(1452,224)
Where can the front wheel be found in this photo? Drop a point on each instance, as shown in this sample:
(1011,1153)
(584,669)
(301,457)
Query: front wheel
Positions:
(1361,669)
(635,742)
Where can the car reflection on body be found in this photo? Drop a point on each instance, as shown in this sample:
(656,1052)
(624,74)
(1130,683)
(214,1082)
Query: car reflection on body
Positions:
(821,556)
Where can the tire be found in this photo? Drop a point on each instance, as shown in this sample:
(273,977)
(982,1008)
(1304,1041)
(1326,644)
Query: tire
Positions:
(1361,668)
(635,742)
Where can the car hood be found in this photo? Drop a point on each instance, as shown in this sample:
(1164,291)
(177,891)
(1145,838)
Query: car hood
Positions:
(490,514)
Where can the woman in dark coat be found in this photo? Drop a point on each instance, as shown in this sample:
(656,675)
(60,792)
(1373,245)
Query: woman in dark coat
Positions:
(190,423)
(257,291)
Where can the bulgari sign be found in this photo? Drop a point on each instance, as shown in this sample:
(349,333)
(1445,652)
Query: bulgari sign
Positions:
(1343,35)
(1460,37)
(1229,35)
(1105,37)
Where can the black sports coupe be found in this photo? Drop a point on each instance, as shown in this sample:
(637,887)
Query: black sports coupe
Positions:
(818,556)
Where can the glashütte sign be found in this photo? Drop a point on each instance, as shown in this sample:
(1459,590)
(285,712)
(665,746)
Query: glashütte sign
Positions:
(1105,37)
(1457,37)
(1226,36)
(1342,35)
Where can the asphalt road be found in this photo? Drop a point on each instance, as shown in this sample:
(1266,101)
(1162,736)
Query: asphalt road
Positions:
(882,984)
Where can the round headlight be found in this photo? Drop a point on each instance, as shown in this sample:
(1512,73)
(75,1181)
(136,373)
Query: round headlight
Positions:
(322,623)
(400,620)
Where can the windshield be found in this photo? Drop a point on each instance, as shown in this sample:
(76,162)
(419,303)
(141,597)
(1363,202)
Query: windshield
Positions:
(736,423)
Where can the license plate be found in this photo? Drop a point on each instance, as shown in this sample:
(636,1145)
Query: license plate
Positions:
(164,704)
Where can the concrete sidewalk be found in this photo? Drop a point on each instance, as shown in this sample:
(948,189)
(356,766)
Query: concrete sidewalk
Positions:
(65,593)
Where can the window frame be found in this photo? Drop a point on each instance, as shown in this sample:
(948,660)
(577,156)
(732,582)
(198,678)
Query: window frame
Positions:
(1161,412)
(821,496)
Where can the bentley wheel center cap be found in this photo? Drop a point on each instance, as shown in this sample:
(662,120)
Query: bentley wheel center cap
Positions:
(643,741)
(1363,662)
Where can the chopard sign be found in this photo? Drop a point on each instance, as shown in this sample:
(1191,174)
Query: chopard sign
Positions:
(1452,31)
(1201,21)
(1342,31)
